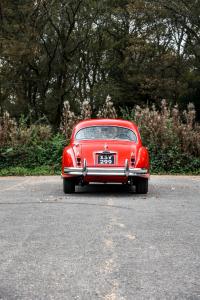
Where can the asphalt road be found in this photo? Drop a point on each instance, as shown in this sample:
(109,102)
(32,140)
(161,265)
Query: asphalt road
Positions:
(103,242)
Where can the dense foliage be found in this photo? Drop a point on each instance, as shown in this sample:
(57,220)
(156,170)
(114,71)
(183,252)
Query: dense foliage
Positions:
(137,51)
(59,60)
(172,136)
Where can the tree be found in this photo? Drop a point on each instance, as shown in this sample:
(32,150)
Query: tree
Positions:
(82,50)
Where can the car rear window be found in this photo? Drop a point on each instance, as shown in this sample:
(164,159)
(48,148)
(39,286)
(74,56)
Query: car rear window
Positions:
(106,133)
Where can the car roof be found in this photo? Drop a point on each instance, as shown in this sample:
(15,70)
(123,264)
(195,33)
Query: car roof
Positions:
(105,122)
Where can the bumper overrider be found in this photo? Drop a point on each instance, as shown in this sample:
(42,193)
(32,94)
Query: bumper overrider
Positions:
(105,171)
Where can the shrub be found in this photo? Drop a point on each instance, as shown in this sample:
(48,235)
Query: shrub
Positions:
(85,110)
(13,134)
(172,136)
(42,153)
(108,110)
(69,118)
(167,128)
(8,129)
(30,147)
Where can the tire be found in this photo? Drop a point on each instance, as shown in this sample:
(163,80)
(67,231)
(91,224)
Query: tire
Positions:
(68,186)
(142,186)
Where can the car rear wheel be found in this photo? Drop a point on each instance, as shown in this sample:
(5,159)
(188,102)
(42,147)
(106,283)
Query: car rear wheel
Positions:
(68,186)
(142,186)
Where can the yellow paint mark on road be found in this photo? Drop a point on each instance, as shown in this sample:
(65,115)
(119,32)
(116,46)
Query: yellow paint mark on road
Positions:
(111,296)
(109,243)
(110,202)
(120,225)
(113,221)
(108,266)
(131,237)
(114,293)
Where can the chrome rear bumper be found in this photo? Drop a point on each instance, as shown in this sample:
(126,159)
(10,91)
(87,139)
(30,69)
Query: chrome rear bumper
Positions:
(105,171)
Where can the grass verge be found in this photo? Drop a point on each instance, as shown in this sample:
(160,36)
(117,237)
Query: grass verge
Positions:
(49,170)
(37,171)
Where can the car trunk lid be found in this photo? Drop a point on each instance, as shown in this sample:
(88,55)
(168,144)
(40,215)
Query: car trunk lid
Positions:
(109,153)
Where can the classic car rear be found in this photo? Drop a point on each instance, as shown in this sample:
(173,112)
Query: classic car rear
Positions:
(107,151)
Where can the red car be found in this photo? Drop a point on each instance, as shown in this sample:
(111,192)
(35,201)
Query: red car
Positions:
(106,151)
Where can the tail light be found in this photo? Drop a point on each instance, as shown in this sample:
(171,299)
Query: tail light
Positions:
(132,161)
(78,160)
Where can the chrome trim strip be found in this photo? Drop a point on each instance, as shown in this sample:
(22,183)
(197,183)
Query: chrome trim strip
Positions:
(105,171)
(126,168)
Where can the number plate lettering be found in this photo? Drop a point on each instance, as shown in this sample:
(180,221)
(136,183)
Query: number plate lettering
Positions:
(105,159)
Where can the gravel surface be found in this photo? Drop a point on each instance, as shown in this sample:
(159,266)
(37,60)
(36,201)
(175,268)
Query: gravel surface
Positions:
(104,242)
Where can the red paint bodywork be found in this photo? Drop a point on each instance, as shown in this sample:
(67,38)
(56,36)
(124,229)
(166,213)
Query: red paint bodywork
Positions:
(86,149)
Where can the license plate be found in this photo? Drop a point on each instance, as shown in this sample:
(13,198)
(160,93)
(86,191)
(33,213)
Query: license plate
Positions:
(106,159)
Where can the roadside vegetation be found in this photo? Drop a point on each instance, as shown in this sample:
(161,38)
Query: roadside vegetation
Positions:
(137,51)
(172,136)
(60,60)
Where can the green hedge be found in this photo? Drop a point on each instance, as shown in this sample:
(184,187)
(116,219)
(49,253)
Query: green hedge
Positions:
(172,161)
(36,158)
(43,158)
